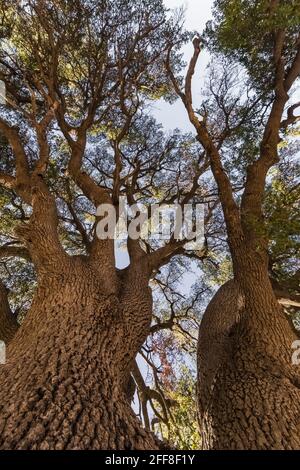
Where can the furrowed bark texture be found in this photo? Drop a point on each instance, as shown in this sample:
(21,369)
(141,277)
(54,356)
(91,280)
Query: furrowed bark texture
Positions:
(63,384)
(248,389)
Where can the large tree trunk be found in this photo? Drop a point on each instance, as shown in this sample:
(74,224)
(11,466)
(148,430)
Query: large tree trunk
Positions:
(248,389)
(63,386)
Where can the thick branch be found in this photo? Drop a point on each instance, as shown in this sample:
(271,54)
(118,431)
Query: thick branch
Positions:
(7,181)
(12,135)
(40,234)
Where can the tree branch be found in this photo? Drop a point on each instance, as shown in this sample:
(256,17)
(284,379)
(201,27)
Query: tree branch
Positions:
(291,118)
(11,251)
(22,167)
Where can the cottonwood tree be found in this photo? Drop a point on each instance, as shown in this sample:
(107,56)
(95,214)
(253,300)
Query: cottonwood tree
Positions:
(248,388)
(76,134)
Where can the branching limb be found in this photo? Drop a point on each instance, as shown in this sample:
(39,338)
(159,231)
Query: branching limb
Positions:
(291,118)
(8,322)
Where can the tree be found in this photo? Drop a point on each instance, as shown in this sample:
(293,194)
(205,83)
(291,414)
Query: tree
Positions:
(78,77)
(77,139)
(248,389)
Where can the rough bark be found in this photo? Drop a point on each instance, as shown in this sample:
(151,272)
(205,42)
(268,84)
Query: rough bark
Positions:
(63,384)
(8,321)
(248,389)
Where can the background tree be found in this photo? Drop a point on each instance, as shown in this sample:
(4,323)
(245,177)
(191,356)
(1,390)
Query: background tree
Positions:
(77,132)
(248,388)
